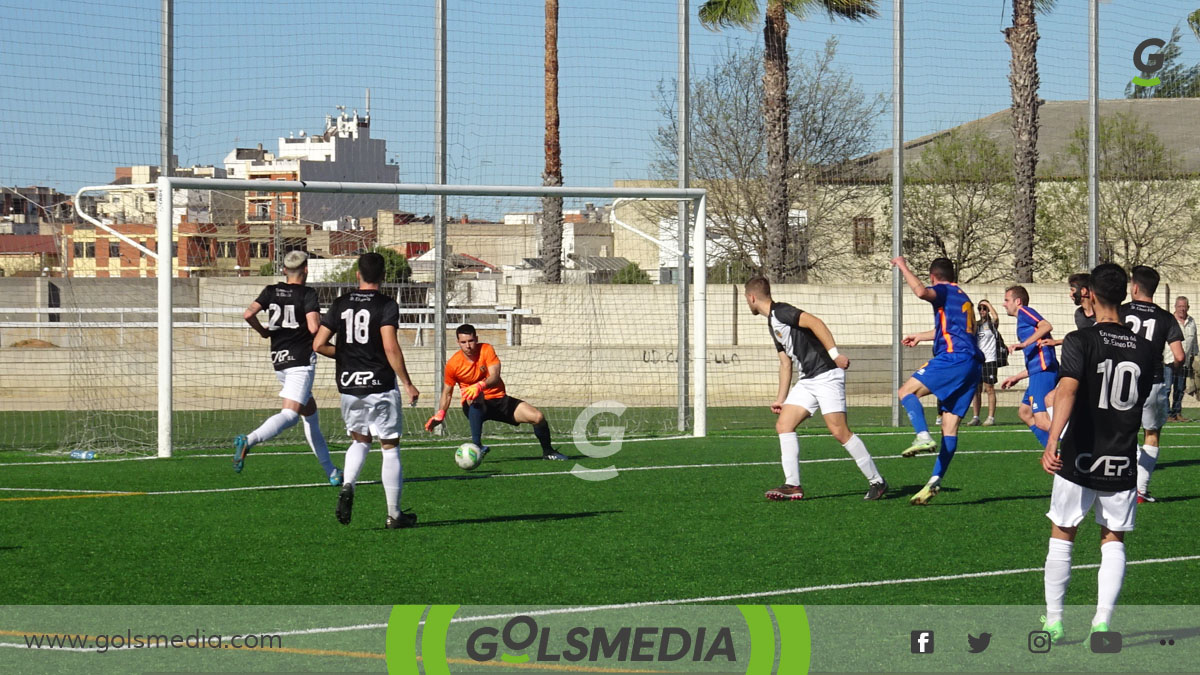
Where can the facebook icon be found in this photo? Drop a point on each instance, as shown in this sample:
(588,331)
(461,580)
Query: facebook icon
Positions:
(922,641)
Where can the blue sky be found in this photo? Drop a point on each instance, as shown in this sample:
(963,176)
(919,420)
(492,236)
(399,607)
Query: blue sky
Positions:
(80,80)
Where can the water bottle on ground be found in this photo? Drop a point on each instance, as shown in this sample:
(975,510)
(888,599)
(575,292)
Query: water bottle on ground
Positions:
(83,454)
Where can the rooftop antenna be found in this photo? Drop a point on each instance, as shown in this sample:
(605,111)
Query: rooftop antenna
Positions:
(368,103)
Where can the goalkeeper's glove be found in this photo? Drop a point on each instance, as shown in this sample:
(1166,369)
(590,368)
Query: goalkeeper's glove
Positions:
(472,392)
(435,420)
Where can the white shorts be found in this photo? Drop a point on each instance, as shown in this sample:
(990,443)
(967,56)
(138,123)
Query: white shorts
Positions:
(379,414)
(296,382)
(1154,412)
(825,392)
(1069,503)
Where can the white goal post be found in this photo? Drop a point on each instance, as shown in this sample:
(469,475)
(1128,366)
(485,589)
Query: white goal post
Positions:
(166,185)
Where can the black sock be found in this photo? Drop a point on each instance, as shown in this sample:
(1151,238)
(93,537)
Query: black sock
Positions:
(542,432)
(475,414)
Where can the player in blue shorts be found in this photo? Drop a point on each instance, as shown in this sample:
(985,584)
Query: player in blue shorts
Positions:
(1041,367)
(952,374)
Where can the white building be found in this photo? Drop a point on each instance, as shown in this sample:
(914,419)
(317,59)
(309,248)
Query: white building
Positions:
(344,152)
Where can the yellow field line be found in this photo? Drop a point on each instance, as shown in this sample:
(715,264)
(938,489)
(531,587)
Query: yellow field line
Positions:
(41,499)
(372,655)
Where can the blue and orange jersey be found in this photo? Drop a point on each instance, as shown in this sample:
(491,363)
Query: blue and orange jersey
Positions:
(1037,359)
(953,321)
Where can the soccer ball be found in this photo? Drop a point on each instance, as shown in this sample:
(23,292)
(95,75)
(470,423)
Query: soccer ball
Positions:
(468,456)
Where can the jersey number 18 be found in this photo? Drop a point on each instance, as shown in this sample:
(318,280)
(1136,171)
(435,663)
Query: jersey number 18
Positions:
(358,325)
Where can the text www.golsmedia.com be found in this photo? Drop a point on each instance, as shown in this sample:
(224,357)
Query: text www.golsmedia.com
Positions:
(131,640)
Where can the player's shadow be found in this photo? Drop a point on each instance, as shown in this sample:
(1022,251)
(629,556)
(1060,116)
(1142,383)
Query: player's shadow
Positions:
(528,517)
(11,548)
(1151,637)
(1177,463)
(458,476)
(1003,498)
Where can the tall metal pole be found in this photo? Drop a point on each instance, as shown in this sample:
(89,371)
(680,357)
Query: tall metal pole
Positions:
(167,88)
(682,92)
(439,215)
(1093,250)
(163,250)
(897,198)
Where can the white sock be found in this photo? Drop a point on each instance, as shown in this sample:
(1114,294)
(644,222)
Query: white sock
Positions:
(356,455)
(274,425)
(858,450)
(924,436)
(1057,576)
(393,480)
(1109,580)
(316,441)
(789,447)
(1147,458)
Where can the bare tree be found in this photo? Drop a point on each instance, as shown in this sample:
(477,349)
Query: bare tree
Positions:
(1148,204)
(957,200)
(832,122)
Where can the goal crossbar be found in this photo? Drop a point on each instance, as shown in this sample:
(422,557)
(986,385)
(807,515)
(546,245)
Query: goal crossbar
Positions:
(165,186)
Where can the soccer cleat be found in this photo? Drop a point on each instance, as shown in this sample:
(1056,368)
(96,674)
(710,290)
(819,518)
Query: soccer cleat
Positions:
(938,421)
(876,491)
(345,505)
(483,451)
(974,422)
(989,422)
(1055,629)
(785,493)
(918,447)
(925,495)
(555,455)
(406,519)
(240,447)
(335,479)
(1101,627)
(1144,497)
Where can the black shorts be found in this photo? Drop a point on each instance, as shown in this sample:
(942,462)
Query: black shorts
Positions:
(498,409)
(990,369)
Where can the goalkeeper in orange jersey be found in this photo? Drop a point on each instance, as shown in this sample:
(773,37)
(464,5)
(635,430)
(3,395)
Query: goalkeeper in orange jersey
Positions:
(475,368)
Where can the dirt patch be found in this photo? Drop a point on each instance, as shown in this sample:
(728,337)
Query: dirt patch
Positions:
(34,344)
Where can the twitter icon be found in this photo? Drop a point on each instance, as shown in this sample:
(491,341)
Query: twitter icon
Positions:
(978,644)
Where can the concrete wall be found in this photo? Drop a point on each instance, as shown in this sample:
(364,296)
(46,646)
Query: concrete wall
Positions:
(579,344)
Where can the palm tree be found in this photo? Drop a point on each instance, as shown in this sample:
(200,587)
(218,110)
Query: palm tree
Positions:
(1022,38)
(552,206)
(781,264)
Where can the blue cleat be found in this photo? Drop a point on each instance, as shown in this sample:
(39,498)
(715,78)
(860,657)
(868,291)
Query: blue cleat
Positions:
(335,479)
(240,446)
(555,455)
(483,452)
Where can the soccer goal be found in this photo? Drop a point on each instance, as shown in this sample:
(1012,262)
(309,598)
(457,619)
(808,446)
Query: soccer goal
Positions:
(167,364)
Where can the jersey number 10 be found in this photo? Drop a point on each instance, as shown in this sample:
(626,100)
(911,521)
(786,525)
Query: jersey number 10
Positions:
(358,324)
(1119,387)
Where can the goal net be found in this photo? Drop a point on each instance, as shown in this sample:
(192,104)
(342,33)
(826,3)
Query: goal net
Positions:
(600,348)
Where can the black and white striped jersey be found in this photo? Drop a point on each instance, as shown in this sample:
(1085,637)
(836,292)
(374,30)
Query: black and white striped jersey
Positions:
(808,356)
(355,319)
(287,307)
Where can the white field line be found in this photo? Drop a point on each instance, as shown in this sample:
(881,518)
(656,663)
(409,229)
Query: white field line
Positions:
(512,444)
(691,601)
(531,474)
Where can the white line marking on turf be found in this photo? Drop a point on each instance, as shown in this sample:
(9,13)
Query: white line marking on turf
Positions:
(530,474)
(18,645)
(692,601)
(804,589)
